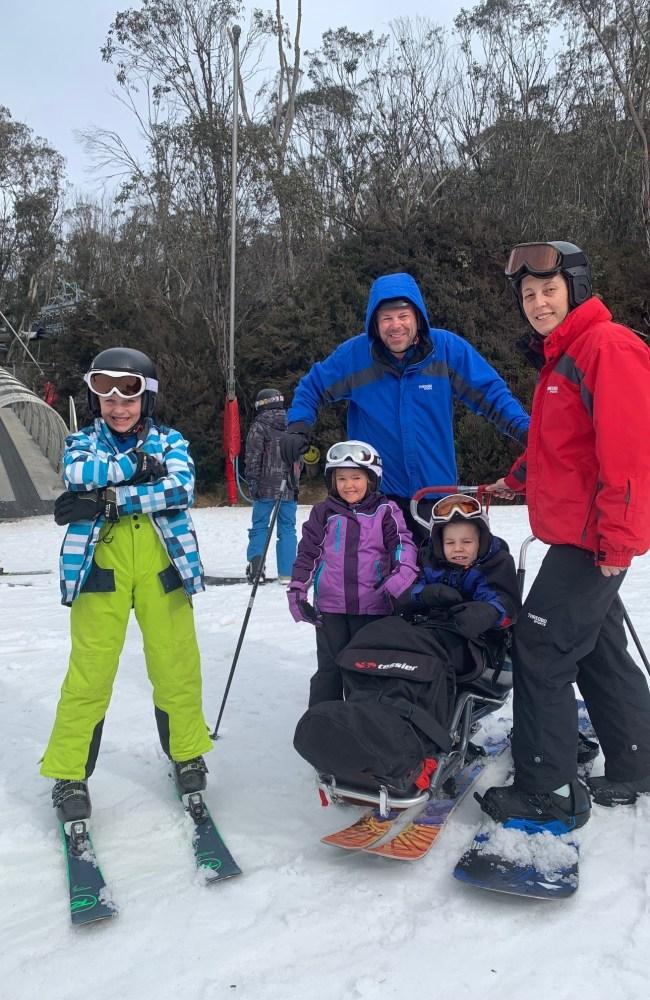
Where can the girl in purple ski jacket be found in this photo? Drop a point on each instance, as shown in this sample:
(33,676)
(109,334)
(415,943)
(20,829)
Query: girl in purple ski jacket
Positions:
(356,553)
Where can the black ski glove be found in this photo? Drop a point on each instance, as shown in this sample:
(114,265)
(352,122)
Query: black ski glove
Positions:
(71,506)
(404,603)
(148,469)
(439,595)
(473,617)
(294,443)
(434,596)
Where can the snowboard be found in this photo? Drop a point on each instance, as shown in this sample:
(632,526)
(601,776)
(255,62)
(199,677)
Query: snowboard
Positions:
(513,859)
(517,858)
(414,838)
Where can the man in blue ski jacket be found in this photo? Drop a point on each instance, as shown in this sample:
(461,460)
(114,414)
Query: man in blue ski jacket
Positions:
(400,378)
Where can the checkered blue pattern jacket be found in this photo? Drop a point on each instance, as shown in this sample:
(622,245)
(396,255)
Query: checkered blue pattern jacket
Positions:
(92,460)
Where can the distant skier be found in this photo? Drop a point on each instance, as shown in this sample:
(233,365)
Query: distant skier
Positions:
(130,544)
(356,553)
(586,475)
(264,472)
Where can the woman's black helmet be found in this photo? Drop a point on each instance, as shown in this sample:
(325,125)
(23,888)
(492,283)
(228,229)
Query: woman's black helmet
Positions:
(552,257)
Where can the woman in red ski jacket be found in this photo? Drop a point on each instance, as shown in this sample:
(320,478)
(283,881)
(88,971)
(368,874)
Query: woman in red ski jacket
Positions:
(587,439)
(586,476)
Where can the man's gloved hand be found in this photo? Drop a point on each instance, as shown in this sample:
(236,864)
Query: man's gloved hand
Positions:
(439,595)
(300,608)
(71,506)
(148,469)
(294,443)
(473,617)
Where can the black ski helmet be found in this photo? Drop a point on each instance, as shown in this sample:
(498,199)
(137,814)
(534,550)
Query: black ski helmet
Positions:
(478,517)
(269,399)
(570,261)
(128,360)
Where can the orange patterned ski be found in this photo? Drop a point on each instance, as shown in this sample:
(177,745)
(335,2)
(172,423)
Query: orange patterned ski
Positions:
(367,830)
(409,845)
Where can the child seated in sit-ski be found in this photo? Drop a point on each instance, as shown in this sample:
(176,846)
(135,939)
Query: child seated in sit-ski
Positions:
(468,580)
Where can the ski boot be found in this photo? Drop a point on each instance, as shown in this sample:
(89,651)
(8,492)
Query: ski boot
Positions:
(617,793)
(71,800)
(537,810)
(189,775)
(253,568)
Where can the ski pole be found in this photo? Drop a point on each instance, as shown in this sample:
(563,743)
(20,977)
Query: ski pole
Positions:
(637,641)
(260,570)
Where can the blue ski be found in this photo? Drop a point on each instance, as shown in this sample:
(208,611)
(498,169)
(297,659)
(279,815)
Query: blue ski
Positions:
(212,856)
(89,900)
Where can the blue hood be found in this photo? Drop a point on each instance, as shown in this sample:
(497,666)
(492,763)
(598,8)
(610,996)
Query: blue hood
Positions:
(394,286)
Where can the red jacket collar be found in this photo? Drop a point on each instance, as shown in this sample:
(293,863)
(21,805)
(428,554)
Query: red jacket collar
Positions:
(578,320)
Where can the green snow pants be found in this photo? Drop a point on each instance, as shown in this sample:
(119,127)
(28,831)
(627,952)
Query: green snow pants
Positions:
(131,569)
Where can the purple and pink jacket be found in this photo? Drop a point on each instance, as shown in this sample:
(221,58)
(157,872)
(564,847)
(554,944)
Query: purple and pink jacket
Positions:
(355,556)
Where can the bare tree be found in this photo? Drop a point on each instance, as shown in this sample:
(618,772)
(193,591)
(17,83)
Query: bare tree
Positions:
(621,31)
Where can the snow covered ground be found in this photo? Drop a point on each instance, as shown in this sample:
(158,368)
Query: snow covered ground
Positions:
(304,920)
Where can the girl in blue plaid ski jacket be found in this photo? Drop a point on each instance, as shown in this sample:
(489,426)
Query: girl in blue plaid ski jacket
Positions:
(130,543)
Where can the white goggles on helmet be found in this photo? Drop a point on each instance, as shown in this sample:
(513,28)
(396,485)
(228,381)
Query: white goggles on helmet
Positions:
(352,451)
(126,385)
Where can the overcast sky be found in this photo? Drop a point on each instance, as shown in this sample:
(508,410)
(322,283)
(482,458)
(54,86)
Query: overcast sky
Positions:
(52,77)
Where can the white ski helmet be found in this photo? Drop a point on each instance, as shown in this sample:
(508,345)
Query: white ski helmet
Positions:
(353,455)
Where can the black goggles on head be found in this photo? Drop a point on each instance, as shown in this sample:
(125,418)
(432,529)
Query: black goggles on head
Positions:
(540,259)
(127,385)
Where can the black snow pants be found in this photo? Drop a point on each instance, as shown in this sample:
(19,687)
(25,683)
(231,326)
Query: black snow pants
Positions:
(331,638)
(571,629)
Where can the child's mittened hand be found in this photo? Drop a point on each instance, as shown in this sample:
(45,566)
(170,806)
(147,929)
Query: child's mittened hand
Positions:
(473,617)
(300,608)
(440,595)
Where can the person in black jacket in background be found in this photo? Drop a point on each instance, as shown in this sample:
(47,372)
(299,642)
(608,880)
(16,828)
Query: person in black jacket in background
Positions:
(264,473)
